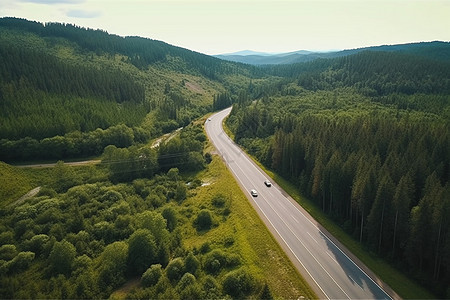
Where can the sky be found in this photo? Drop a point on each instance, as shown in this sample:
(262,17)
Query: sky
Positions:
(274,26)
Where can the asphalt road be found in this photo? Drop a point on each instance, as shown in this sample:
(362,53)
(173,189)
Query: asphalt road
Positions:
(334,273)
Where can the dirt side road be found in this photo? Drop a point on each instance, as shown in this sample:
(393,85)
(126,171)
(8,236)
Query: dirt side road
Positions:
(51,165)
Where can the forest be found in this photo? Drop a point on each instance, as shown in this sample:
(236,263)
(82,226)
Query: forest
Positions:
(66,88)
(367,138)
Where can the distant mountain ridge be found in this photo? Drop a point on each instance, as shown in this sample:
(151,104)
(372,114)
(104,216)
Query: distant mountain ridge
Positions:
(437,50)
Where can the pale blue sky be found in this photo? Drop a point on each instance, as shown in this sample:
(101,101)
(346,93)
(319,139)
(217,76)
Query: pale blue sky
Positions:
(223,26)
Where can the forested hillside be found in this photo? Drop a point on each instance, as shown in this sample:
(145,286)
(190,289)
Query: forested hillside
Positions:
(62,86)
(367,138)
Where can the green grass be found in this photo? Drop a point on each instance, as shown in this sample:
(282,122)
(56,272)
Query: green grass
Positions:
(14,183)
(249,237)
(399,282)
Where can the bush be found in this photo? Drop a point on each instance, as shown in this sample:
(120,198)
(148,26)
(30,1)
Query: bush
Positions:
(38,244)
(266,294)
(208,158)
(219,200)
(180,192)
(141,251)
(155,200)
(21,262)
(151,276)
(61,257)
(229,241)
(211,289)
(191,263)
(187,280)
(205,247)
(170,215)
(81,264)
(188,287)
(215,261)
(239,283)
(233,260)
(195,162)
(113,265)
(175,269)
(7,252)
(204,220)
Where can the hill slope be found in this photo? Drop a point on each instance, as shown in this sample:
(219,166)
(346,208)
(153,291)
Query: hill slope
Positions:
(435,50)
(60,79)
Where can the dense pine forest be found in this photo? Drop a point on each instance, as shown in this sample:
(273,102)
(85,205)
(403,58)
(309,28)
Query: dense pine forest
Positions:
(367,137)
(64,90)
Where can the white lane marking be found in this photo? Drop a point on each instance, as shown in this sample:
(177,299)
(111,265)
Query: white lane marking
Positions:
(332,258)
(313,238)
(294,218)
(355,282)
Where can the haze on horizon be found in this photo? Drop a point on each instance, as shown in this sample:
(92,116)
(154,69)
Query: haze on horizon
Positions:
(271,26)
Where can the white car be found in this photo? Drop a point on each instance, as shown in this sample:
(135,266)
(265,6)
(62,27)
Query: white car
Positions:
(267,183)
(254,193)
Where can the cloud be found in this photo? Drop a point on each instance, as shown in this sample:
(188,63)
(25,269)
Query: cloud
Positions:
(54,1)
(83,14)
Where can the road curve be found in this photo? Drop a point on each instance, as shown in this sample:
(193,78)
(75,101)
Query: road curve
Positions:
(316,256)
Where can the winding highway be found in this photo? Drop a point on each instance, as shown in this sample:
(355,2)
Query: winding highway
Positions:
(330,271)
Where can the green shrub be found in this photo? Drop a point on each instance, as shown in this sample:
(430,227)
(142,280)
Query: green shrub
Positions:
(208,158)
(151,276)
(155,200)
(141,251)
(81,264)
(21,262)
(205,247)
(38,244)
(187,280)
(219,200)
(175,269)
(233,260)
(229,241)
(215,261)
(239,283)
(211,289)
(188,288)
(204,220)
(180,192)
(7,252)
(191,263)
(61,257)
(266,294)
(170,214)
(113,263)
